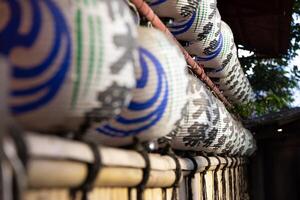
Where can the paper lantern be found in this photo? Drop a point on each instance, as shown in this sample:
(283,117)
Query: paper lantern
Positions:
(175,9)
(68,60)
(236,138)
(245,144)
(227,130)
(199,127)
(209,40)
(159,98)
(242,95)
(203,26)
(223,57)
(228,63)
(250,144)
(236,86)
(207,125)
(230,80)
(227,58)
(235,90)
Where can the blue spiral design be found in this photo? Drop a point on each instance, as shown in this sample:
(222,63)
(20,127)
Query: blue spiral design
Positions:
(149,119)
(181,27)
(214,53)
(11,38)
(156,2)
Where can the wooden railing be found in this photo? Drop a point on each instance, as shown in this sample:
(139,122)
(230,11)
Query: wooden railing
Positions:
(55,165)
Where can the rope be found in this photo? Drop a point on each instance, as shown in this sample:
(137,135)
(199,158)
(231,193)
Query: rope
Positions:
(167,150)
(203,180)
(93,170)
(230,179)
(223,180)
(235,178)
(140,188)
(191,176)
(216,181)
(18,161)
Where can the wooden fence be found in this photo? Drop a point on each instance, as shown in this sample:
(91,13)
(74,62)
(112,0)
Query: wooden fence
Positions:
(55,165)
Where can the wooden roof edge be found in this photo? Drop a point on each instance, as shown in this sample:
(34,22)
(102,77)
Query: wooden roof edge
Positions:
(278,118)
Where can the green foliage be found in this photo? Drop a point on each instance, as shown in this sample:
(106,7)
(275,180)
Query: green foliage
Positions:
(273,80)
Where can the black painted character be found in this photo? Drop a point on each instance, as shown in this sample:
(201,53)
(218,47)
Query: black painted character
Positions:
(196,135)
(127,41)
(111,101)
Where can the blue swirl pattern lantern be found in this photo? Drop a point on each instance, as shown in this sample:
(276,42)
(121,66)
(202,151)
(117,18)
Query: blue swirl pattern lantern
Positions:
(227,59)
(71,61)
(192,21)
(159,96)
(220,60)
(203,25)
(225,66)
(174,9)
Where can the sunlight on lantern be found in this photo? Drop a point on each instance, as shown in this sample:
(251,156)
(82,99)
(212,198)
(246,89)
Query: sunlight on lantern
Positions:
(151,145)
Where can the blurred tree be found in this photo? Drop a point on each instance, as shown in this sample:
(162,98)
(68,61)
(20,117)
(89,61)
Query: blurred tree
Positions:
(273,80)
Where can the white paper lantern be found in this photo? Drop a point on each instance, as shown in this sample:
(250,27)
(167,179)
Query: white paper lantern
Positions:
(159,97)
(245,144)
(228,64)
(236,86)
(209,40)
(232,76)
(227,130)
(199,128)
(203,26)
(207,125)
(236,138)
(227,58)
(250,144)
(175,9)
(242,95)
(223,56)
(69,60)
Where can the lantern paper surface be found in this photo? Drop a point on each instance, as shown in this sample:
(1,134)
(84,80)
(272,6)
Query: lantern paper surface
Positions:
(177,10)
(226,67)
(69,60)
(236,86)
(221,60)
(159,97)
(209,40)
(207,125)
(203,25)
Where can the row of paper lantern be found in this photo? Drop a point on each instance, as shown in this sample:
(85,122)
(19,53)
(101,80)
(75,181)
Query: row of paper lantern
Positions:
(207,126)
(204,35)
(76,69)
